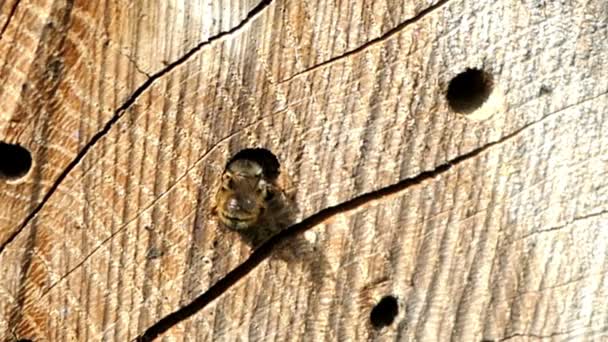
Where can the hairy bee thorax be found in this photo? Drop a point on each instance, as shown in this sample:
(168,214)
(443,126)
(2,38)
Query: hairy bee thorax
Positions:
(251,202)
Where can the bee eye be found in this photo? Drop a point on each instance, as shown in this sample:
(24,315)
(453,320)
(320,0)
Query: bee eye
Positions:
(227,182)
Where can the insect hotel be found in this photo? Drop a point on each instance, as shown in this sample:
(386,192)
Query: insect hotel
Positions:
(286,170)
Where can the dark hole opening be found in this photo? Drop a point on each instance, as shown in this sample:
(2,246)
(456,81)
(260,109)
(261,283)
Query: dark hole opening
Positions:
(384,313)
(15,161)
(24,340)
(266,159)
(469,90)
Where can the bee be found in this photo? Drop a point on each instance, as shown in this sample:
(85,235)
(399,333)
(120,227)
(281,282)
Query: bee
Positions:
(250,201)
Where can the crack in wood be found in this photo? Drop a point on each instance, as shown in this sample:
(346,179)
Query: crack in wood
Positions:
(390,33)
(134,62)
(362,201)
(560,227)
(150,205)
(560,285)
(10,17)
(256,11)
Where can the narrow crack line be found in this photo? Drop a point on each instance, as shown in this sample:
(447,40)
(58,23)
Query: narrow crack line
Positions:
(541,290)
(565,225)
(124,225)
(10,17)
(588,216)
(134,62)
(260,254)
(151,204)
(390,33)
(123,108)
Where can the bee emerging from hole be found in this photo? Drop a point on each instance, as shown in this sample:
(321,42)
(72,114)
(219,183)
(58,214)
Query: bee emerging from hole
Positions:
(250,202)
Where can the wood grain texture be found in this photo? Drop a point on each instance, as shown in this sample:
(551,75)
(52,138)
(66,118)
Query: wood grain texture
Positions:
(482,251)
(506,243)
(70,68)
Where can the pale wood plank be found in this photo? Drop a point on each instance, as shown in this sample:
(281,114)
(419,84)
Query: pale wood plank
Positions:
(357,124)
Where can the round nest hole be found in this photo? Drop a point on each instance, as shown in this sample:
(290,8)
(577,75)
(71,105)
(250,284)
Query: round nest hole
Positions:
(469,90)
(15,161)
(384,313)
(268,161)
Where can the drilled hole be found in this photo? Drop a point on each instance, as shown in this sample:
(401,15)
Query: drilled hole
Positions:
(469,90)
(384,313)
(15,161)
(265,158)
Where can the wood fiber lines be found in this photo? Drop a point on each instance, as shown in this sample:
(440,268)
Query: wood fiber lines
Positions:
(482,230)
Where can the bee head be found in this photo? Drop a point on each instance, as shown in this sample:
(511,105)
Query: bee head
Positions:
(244,194)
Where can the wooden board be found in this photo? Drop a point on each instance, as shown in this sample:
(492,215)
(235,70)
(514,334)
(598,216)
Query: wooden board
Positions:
(480,251)
(492,228)
(71,68)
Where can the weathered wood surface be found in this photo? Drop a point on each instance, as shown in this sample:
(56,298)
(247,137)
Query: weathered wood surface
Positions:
(483,251)
(69,68)
(501,238)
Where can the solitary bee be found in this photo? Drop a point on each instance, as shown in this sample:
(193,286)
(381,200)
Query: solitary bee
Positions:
(250,200)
